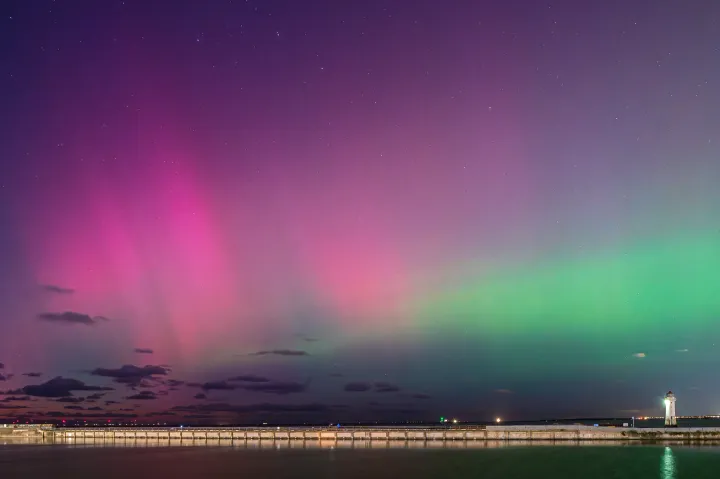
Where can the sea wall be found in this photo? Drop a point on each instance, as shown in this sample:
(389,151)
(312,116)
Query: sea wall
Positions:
(390,434)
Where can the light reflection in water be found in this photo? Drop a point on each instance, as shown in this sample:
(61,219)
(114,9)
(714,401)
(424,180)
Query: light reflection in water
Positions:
(667,466)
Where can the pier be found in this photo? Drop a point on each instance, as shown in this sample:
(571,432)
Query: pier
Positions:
(238,435)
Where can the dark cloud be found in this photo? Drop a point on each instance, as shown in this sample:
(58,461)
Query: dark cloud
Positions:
(384,387)
(2,366)
(405,411)
(200,396)
(51,288)
(145,383)
(250,378)
(160,414)
(70,399)
(144,396)
(76,408)
(71,318)
(257,385)
(108,415)
(131,375)
(96,396)
(108,403)
(143,351)
(214,386)
(308,339)
(277,388)
(58,387)
(357,387)
(173,382)
(281,352)
(32,375)
(3,378)
(256,408)
(15,398)
(12,406)
(95,408)
(420,396)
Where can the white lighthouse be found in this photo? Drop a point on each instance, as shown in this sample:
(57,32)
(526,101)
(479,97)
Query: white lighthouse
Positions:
(670,418)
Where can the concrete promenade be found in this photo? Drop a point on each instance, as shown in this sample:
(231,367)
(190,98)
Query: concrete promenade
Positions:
(232,435)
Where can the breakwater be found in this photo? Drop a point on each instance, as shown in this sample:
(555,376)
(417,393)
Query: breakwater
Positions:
(233,435)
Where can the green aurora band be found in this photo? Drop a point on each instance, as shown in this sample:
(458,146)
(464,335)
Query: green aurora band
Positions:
(673,284)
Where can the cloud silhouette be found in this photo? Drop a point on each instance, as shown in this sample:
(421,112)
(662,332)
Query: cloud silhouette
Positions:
(15,398)
(130,374)
(281,388)
(58,387)
(2,366)
(51,288)
(96,396)
(256,408)
(143,351)
(143,396)
(250,378)
(308,339)
(356,387)
(70,317)
(76,408)
(200,396)
(3,378)
(281,352)
(108,415)
(213,386)
(70,399)
(32,375)
(160,414)
(384,387)
(12,406)
(173,382)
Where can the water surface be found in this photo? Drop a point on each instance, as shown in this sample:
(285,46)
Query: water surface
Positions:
(508,462)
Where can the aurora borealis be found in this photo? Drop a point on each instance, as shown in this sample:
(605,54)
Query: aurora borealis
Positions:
(381,210)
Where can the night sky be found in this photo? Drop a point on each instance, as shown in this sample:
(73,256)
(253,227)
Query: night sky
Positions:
(324,210)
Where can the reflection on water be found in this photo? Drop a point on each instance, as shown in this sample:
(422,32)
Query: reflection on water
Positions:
(667,467)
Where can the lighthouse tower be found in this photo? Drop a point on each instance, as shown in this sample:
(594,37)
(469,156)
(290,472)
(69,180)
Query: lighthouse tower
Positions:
(670,418)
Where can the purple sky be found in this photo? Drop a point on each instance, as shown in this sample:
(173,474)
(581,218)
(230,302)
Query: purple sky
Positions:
(451,208)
